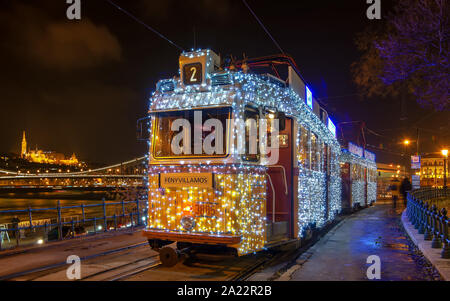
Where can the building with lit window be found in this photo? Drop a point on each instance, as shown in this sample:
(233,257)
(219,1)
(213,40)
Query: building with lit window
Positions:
(432,171)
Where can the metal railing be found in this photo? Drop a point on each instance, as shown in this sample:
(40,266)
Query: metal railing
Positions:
(428,219)
(59,227)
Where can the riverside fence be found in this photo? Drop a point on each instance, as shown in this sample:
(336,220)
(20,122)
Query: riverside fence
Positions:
(428,219)
(39,225)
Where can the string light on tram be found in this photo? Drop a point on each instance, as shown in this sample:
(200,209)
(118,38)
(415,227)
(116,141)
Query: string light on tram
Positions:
(240,213)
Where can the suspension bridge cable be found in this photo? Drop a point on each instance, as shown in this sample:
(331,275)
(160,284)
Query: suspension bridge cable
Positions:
(142,23)
(263,27)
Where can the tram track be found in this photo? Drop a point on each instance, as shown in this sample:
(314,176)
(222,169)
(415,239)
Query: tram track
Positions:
(239,269)
(132,262)
(52,268)
(251,270)
(124,271)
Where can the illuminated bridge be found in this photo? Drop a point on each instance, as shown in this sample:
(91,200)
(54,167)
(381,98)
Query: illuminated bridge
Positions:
(125,174)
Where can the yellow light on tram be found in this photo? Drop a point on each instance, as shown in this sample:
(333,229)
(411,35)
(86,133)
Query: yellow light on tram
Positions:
(444,152)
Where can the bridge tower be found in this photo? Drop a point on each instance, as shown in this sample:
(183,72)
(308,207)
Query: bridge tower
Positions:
(24,146)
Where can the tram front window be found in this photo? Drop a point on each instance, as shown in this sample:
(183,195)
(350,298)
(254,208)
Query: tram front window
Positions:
(163,135)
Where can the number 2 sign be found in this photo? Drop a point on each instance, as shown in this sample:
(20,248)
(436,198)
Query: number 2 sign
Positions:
(192,74)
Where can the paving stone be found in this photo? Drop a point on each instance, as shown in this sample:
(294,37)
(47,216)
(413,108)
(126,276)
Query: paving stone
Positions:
(342,254)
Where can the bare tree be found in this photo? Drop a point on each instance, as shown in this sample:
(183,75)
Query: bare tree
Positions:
(411,54)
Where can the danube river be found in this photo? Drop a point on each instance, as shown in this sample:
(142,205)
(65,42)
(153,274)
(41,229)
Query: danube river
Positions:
(47,200)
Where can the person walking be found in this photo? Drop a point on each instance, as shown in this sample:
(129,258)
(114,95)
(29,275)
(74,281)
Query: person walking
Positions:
(404,188)
(15,225)
(394,188)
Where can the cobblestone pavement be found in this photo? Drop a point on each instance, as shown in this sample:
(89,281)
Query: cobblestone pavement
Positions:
(343,252)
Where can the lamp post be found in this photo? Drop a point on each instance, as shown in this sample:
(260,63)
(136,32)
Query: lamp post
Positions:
(445,154)
(406,144)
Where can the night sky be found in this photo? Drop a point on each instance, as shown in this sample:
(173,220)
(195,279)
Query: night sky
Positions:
(80,86)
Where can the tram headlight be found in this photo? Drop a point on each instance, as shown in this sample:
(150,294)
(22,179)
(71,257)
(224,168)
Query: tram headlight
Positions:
(188,222)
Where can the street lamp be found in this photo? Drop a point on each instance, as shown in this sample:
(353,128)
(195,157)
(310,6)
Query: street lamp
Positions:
(406,142)
(445,154)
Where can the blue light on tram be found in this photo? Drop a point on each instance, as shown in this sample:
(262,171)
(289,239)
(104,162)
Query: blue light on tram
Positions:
(331,126)
(309,100)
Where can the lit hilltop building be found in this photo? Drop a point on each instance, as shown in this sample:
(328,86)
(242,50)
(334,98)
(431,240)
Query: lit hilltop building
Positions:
(49,157)
(23,153)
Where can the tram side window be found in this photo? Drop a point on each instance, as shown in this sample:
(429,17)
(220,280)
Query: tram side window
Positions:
(326,158)
(319,155)
(251,118)
(315,152)
(345,171)
(300,150)
(360,172)
(305,145)
(333,159)
(373,175)
(322,156)
(355,172)
(330,159)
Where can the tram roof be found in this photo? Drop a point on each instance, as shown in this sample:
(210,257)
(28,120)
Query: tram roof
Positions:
(238,89)
(348,157)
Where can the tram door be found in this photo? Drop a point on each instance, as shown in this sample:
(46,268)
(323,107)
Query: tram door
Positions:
(346,187)
(279,209)
(326,166)
(366,183)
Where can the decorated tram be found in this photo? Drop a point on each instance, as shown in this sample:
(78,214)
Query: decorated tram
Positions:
(359,178)
(238,159)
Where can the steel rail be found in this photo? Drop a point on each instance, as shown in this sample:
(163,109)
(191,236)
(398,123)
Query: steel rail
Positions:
(122,274)
(135,272)
(59,264)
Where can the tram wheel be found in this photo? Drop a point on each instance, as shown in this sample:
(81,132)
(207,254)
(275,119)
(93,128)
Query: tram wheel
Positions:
(168,256)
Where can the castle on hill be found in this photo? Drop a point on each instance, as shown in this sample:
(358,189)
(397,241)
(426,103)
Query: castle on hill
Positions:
(48,157)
